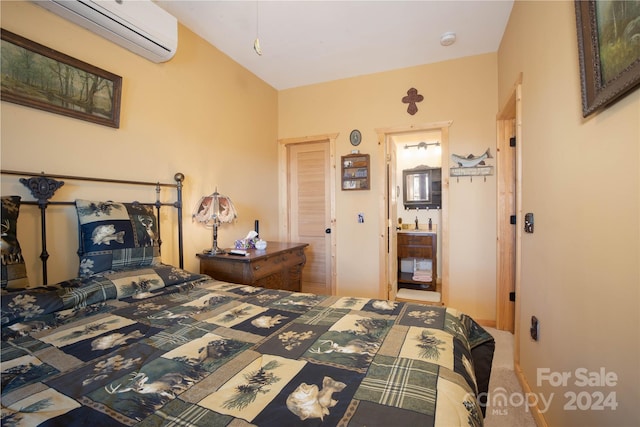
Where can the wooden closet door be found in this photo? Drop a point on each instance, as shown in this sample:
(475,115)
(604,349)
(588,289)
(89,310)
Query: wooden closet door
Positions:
(310,211)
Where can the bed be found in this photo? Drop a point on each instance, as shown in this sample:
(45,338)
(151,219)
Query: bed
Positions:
(140,342)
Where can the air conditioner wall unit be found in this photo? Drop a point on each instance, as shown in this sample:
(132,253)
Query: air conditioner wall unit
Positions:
(138,25)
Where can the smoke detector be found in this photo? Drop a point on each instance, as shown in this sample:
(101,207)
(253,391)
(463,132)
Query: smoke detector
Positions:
(447,39)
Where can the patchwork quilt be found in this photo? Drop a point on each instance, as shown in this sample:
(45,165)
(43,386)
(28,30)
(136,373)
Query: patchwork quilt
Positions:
(161,346)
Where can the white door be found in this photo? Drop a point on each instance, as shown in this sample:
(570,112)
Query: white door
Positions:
(309,211)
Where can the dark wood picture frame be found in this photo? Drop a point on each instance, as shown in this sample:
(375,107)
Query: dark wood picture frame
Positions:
(603,81)
(39,77)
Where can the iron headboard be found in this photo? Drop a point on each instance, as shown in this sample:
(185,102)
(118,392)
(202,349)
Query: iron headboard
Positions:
(43,186)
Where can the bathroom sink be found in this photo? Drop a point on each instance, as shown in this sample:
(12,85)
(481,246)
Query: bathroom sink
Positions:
(414,231)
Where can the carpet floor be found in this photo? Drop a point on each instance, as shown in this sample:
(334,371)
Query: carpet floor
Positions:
(505,394)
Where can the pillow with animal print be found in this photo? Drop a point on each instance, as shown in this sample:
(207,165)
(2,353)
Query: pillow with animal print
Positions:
(115,236)
(14,273)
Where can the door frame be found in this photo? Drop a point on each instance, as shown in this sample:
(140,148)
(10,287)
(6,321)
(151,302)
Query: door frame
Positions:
(283,193)
(509,241)
(388,278)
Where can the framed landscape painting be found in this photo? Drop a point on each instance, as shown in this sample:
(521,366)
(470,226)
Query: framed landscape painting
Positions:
(609,51)
(39,77)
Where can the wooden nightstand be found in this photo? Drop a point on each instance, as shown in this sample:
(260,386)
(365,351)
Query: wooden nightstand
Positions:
(279,266)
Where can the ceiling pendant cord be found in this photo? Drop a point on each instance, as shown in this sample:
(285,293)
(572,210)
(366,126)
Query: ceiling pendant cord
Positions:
(256,43)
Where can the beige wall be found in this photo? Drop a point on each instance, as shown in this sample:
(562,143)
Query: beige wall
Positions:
(190,114)
(580,177)
(463,91)
(581,180)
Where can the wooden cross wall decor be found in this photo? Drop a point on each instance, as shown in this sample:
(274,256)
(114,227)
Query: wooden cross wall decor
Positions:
(411,99)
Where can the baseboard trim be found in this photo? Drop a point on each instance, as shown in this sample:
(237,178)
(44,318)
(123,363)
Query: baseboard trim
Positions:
(485,322)
(535,410)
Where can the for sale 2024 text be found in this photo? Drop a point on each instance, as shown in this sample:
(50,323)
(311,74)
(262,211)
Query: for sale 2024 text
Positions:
(588,399)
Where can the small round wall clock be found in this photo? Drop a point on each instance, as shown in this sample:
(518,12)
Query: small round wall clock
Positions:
(355,137)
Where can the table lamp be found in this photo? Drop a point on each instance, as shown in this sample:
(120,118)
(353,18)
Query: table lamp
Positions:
(211,211)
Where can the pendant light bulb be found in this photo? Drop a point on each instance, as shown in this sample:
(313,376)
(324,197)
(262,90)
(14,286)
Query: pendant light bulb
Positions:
(256,47)
(256,43)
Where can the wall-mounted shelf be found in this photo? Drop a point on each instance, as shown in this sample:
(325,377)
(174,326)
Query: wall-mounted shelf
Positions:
(355,172)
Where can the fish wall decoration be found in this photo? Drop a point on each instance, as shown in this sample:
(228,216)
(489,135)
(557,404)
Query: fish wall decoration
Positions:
(471,160)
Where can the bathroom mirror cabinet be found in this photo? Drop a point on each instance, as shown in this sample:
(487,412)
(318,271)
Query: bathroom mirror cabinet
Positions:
(422,187)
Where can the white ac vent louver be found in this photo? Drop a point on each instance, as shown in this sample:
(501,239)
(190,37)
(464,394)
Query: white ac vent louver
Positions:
(138,25)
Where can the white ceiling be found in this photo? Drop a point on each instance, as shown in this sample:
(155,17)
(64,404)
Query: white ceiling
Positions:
(308,42)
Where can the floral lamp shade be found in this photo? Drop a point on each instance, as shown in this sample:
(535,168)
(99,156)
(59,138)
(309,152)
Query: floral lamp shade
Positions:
(211,211)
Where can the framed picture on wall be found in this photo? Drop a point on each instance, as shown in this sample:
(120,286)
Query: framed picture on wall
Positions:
(609,51)
(39,77)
